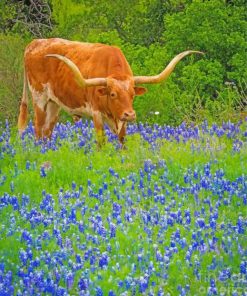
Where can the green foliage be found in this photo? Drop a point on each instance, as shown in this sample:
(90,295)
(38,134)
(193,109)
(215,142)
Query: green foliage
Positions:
(11,75)
(197,87)
(179,158)
(27,18)
(136,21)
(7,13)
(150,33)
(220,31)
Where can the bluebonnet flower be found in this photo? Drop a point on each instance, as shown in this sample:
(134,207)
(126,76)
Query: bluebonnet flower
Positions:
(143,284)
(112,230)
(81,226)
(28,165)
(243,267)
(75,226)
(99,291)
(212,290)
(103,260)
(200,222)
(42,172)
(69,280)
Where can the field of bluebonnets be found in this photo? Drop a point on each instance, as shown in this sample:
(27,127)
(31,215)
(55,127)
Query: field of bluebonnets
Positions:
(165,216)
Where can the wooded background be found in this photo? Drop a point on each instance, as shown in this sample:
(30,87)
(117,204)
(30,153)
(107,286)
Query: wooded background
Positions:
(150,33)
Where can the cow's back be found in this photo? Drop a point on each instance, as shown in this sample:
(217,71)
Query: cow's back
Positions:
(93,60)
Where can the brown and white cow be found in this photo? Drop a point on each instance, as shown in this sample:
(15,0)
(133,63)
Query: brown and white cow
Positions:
(83,79)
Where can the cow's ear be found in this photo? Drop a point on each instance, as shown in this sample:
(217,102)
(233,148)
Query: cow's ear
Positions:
(102,91)
(140,91)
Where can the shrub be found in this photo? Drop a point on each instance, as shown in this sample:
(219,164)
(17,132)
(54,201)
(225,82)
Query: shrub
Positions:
(11,75)
(213,86)
(217,29)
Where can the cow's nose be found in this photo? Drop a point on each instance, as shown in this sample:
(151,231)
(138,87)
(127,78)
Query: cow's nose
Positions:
(129,116)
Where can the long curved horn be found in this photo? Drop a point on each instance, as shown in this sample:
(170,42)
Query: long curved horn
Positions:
(165,73)
(77,74)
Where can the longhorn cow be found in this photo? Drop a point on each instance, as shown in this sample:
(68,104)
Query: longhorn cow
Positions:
(83,79)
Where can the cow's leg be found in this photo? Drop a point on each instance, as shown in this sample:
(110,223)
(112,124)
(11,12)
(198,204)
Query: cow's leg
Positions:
(52,110)
(99,127)
(40,100)
(39,121)
(45,119)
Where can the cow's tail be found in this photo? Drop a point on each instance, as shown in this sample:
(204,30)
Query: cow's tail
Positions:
(23,115)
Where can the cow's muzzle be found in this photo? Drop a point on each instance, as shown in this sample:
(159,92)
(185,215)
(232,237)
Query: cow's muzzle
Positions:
(128,116)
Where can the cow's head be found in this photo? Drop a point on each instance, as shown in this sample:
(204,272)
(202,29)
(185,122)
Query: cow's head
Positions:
(120,95)
(120,92)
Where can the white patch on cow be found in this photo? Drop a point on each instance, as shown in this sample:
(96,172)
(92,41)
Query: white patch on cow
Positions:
(40,98)
(83,110)
(115,127)
(97,116)
(120,125)
(52,110)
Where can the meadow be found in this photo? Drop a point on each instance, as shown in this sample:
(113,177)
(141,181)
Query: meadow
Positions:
(167,215)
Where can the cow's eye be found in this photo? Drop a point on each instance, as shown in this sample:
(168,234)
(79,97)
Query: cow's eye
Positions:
(113,95)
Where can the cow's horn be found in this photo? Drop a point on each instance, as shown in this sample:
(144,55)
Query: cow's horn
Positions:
(78,76)
(168,70)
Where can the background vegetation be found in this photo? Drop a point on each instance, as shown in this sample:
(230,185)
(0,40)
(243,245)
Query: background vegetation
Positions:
(150,33)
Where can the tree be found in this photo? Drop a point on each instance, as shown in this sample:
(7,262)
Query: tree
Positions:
(136,22)
(217,29)
(26,16)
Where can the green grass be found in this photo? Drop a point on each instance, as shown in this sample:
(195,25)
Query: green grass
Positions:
(70,164)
